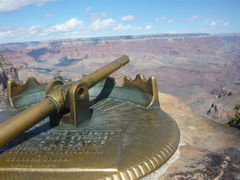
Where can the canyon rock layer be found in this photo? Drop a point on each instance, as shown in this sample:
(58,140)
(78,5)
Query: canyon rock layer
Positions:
(201,69)
(208,150)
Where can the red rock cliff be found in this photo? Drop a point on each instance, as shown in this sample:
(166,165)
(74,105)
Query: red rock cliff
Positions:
(7,72)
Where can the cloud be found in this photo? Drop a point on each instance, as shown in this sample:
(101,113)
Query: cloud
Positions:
(72,28)
(164,19)
(100,25)
(98,16)
(69,25)
(127,27)
(193,19)
(7,28)
(128,18)
(214,22)
(13,5)
(34,29)
(148,27)
(226,24)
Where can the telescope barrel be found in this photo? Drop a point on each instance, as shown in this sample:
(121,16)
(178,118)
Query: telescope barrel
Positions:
(25,120)
(103,72)
(28,118)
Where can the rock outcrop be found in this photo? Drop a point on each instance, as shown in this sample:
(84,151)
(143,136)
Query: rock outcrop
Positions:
(7,72)
(221,107)
(213,111)
(221,92)
(3,98)
(208,150)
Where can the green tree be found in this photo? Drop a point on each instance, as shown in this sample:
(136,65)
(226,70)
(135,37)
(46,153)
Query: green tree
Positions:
(235,120)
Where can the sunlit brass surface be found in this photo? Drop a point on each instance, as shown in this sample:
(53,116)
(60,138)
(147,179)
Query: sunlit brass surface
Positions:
(108,132)
(54,102)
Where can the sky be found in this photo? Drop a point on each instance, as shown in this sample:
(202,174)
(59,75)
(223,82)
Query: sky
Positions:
(41,20)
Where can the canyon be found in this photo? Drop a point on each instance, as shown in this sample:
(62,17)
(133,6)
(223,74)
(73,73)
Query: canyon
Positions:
(201,69)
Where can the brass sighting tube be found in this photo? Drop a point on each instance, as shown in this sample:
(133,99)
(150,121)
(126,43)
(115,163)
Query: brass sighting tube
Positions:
(25,120)
(28,118)
(102,73)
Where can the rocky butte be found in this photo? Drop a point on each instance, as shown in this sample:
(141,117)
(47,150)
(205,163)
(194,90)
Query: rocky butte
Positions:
(7,72)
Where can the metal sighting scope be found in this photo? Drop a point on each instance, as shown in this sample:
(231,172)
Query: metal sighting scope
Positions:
(55,101)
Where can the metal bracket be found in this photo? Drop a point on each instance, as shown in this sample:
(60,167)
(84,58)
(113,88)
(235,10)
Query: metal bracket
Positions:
(78,103)
(14,89)
(149,86)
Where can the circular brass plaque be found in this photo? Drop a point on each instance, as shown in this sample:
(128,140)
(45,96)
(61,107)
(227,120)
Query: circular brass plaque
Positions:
(122,140)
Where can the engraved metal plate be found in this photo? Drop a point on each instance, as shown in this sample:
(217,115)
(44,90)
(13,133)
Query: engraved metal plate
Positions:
(122,140)
(65,151)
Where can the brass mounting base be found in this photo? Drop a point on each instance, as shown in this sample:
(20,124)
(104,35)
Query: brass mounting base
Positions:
(123,140)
